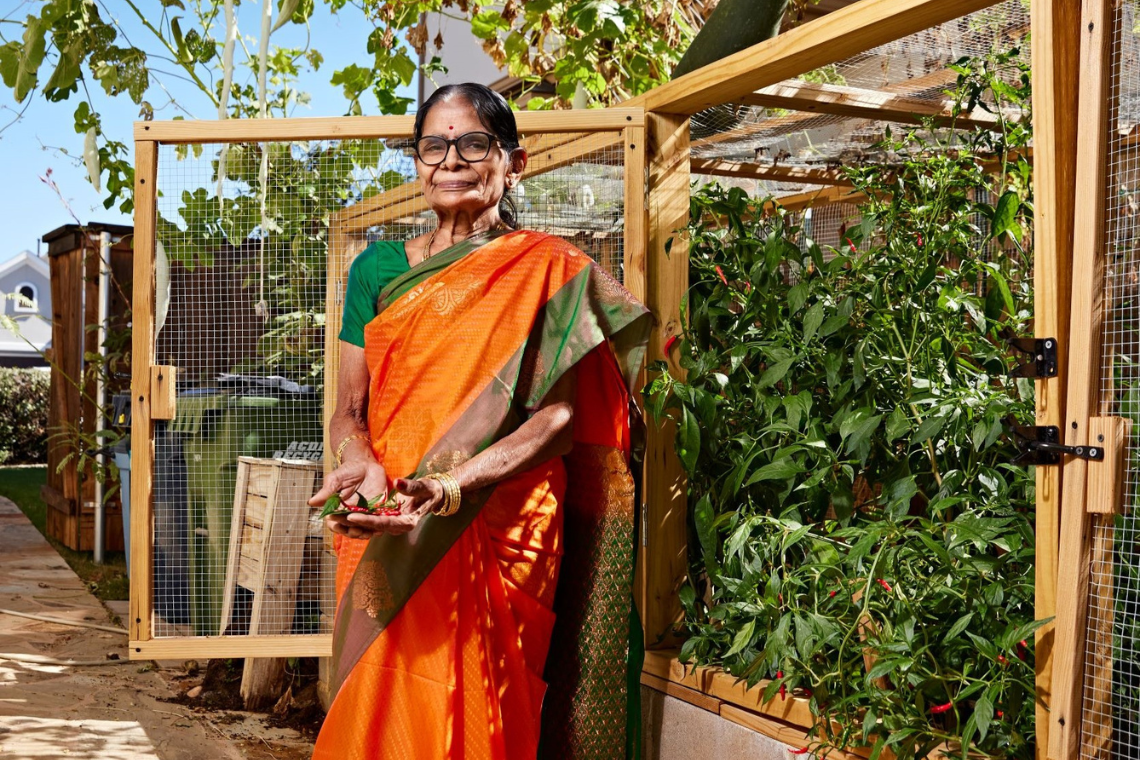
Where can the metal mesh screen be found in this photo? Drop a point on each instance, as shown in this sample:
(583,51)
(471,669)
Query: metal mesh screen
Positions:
(915,67)
(1111,702)
(253,246)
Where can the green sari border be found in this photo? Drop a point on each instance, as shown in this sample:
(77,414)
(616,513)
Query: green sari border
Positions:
(433,265)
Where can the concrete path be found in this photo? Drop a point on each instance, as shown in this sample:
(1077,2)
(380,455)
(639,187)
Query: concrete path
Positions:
(108,712)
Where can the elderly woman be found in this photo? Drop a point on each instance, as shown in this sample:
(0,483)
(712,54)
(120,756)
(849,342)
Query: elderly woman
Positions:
(485,380)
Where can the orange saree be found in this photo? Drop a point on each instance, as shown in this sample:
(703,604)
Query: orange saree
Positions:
(442,634)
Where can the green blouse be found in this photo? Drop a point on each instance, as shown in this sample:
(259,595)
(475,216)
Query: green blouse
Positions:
(373,269)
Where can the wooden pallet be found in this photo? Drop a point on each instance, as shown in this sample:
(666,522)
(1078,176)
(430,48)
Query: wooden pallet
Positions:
(270,533)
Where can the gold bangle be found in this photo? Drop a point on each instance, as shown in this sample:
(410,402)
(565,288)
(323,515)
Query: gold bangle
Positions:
(452,495)
(338,456)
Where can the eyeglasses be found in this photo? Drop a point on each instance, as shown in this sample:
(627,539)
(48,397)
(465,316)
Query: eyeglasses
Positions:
(471,147)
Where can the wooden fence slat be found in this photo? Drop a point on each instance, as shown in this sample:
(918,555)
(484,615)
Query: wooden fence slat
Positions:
(838,35)
(1085,335)
(142,357)
(662,559)
(357,127)
(1055,53)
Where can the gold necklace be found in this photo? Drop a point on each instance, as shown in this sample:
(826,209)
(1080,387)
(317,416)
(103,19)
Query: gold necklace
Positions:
(501,225)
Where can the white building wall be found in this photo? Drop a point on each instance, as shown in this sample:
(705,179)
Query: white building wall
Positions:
(462,54)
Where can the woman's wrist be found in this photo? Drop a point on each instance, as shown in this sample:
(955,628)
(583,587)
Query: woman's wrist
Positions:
(353,447)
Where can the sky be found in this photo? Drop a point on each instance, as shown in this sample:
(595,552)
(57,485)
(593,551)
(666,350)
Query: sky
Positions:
(30,146)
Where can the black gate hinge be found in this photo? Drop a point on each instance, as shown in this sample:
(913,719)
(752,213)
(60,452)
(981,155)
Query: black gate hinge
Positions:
(1044,353)
(1041,444)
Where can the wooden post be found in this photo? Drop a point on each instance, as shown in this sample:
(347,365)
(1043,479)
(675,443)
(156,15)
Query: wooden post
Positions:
(142,357)
(663,557)
(1055,60)
(1105,496)
(1082,396)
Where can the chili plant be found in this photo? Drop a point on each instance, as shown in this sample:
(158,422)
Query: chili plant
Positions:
(860,535)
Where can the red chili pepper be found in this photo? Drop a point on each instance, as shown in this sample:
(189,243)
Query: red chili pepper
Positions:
(851,246)
(884,584)
(1001,659)
(783,687)
(780,598)
(1000,714)
(939,709)
(720,273)
(669,343)
(807,693)
(747,287)
(833,593)
(1021,649)
(918,239)
(800,751)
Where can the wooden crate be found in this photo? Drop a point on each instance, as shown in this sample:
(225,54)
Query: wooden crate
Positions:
(275,552)
(270,533)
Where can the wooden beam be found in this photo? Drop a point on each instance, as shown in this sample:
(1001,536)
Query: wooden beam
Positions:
(360,127)
(662,557)
(771,172)
(934,82)
(210,647)
(142,358)
(1085,335)
(813,198)
(636,230)
(879,105)
(838,35)
(1055,50)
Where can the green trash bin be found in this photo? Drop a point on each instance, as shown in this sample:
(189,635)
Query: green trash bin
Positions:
(218,429)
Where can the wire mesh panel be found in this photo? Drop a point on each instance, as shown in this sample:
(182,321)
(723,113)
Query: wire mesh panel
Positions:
(253,242)
(825,118)
(1111,701)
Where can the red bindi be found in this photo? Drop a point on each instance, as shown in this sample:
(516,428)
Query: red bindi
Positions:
(451,127)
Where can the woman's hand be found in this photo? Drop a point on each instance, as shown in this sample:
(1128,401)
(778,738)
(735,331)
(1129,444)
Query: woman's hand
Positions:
(415,499)
(352,480)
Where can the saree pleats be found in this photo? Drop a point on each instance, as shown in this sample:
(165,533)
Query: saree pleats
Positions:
(442,635)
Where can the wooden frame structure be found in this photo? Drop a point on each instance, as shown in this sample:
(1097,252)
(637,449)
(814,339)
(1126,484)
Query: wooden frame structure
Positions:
(757,76)
(661,147)
(557,139)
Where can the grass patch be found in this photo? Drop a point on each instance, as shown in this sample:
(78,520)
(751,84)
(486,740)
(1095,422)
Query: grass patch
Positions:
(107,581)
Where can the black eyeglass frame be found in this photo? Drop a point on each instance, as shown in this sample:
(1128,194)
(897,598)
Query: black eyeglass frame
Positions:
(491,140)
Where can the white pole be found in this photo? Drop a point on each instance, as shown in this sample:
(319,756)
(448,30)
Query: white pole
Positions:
(101,394)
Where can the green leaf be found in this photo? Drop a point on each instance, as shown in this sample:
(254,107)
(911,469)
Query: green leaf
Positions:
(956,629)
(812,320)
(487,23)
(1005,217)
(705,520)
(742,639)
(781,469)
(897,424)
(862,431)
(688,440)
(882,668)
(776,372)
(833,324)
(983,714)
(929,428)
(31,56)
(797,296)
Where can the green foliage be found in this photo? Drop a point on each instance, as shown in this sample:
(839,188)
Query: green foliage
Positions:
(610,49)
(23,426)
(860,536)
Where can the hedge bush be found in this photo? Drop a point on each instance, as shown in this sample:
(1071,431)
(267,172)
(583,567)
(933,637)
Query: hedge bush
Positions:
(23,415)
